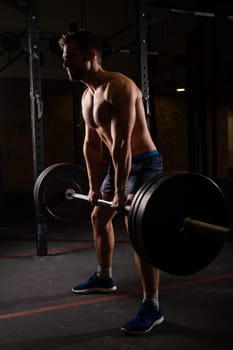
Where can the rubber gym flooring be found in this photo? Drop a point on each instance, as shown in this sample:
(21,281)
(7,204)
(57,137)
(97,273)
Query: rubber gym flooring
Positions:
(39,311)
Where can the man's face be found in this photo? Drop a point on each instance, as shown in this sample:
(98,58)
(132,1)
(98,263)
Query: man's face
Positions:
(75,62)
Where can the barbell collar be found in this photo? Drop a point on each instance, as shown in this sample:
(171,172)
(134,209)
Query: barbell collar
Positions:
(207,229)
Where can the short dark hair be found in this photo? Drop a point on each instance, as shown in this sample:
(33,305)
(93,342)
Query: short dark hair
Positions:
(86,41)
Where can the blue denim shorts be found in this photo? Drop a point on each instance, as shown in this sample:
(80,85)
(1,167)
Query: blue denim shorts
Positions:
(144,167)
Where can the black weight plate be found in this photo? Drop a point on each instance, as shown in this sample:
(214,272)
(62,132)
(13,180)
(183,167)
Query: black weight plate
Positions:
(160,217)
(139,228)
(132,216)
(49,192)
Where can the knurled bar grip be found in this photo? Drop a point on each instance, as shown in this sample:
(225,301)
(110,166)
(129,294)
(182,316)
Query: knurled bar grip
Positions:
(100,201)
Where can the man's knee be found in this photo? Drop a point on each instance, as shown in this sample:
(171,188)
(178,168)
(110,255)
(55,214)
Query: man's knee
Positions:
(101,216)
(95,217)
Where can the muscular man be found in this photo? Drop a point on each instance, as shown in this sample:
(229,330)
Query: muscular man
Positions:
(114,115)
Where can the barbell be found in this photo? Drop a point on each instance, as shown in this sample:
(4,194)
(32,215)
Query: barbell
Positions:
(177,221)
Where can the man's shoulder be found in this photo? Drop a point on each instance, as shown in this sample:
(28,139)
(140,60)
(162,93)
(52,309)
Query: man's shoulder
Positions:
(120,78)
(121,87)
(121,82)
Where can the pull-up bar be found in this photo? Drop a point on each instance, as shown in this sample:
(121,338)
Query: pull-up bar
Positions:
(191,12)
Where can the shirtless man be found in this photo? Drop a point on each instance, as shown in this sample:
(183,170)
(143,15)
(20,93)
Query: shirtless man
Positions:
(114,115)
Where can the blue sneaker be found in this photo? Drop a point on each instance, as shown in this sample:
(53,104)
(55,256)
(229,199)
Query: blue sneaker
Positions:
(147,317)
(95,284)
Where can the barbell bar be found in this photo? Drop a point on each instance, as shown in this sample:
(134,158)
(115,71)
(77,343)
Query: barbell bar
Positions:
(177,221)
(71,194)
(205,228)
(189,225)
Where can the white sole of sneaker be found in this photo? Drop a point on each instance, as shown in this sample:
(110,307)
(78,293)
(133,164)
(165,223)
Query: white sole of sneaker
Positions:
(94,290)
(144,331)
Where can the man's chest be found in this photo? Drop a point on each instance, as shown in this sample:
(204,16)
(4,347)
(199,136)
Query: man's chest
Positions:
(96,111)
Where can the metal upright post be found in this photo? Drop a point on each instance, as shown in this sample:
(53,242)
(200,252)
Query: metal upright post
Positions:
(143,62)
(143,55)
(36,114)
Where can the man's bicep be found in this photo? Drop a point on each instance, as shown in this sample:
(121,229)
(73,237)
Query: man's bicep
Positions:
(124,113)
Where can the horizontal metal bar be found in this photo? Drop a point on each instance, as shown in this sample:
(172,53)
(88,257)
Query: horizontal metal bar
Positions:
(80,196)
(100,201)
(85,197)
(128,51)
(208,229)
(190,12)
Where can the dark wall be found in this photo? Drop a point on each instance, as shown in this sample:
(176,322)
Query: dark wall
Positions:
(15,130)
(172,131)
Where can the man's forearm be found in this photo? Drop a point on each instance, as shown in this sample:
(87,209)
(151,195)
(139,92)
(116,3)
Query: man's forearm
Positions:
(93,157)
(122,165)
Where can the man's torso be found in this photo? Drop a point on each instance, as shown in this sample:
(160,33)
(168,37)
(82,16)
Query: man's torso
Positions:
(97,110)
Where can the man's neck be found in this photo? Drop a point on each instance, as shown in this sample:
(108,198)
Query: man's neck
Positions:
(95,79)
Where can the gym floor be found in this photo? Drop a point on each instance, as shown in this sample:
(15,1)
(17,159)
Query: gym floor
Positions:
(39,311)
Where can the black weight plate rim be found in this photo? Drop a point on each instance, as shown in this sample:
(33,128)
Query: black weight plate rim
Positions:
(42,178)
(75,208)
(139,221)
(154,183)
(133,213)
(215,245)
